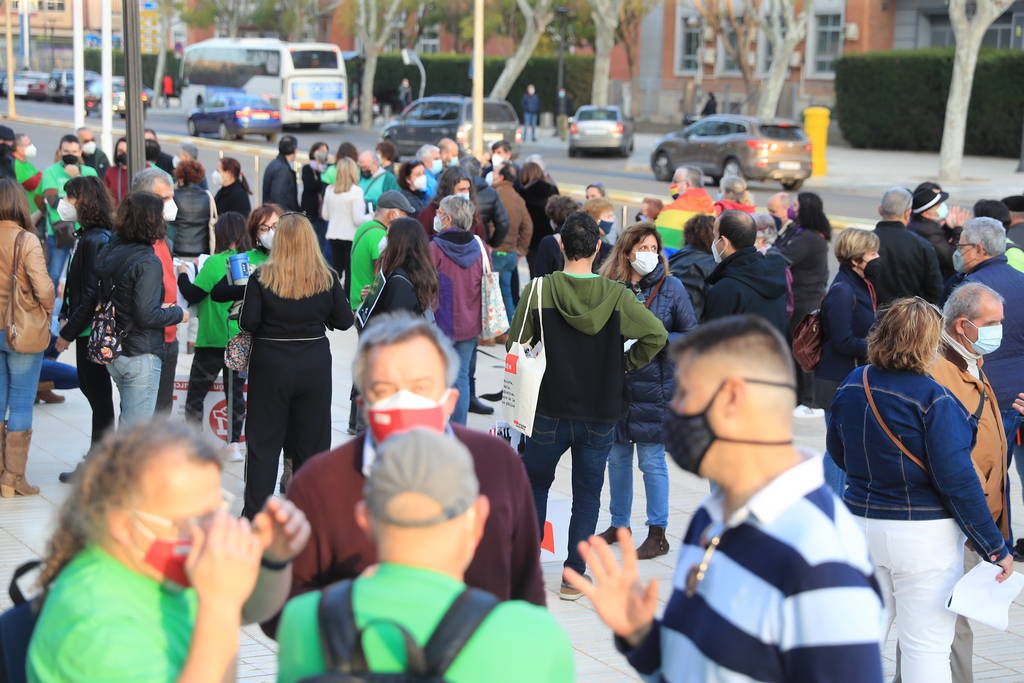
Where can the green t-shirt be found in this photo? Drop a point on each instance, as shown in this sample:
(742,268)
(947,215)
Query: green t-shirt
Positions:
(54,178)
(104,622)
(214,327)
(517,642)
(364,252)
(24,170)
(374,187)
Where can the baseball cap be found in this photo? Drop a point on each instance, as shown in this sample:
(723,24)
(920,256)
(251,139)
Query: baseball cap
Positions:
(927,197)
(6,134)
(421,461)
(393,199)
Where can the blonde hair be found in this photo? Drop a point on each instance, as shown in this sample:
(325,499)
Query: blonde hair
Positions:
(597,207)
(109,480)
(735,188)
(296,268)
(616,266)
(853,243)
(347,175)
(907,337)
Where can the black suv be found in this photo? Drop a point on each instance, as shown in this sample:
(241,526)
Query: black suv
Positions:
(61,86)
(429,119)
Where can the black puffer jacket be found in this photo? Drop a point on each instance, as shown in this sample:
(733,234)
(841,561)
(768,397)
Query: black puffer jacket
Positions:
(80,289)
(131,275)
(312,192)
(748,282)
(941,238)
(492,212)
(807,253)
(536,196)
(191,228)
(693,267)
(280,186)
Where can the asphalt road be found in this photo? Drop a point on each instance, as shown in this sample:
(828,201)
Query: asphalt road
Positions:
(629,175)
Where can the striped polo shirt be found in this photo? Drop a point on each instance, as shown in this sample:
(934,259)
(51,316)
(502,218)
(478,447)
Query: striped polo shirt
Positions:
(789,594)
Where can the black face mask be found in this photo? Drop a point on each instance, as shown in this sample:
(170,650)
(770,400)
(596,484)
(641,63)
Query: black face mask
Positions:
(121,159)
(366,175)
(687,438)
(872,269)
(69,160)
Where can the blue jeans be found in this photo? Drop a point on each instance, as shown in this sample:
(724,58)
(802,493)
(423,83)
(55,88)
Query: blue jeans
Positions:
(138,380)
(19,378)
(590,443)
(504,263)
(56,260)
(465,351)
(62,375)
(651,457)
(530,125)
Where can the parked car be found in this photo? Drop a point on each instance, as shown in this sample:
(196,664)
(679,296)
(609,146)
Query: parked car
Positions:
(600,129)
(94,97)
(61,85)
(31,84)
(119,98)
(727,144)
(429,119)
(232,116)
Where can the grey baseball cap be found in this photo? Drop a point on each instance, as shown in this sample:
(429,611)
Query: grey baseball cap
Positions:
(421,461)
(393,199)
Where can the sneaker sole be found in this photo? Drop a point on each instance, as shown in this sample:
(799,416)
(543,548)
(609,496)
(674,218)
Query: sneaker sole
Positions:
(569,598)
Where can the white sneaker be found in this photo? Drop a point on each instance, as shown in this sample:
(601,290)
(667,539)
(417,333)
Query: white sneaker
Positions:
(235,453)
(804,411)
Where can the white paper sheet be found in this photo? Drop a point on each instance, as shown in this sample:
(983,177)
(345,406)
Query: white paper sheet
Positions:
(980,597)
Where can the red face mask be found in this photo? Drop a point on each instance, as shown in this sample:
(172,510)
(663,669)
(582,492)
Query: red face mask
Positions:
(404,411)
(168,558)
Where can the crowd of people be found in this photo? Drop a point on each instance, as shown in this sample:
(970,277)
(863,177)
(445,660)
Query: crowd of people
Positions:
(682,333)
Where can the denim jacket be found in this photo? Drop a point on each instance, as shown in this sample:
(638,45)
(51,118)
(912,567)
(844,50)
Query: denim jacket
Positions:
(883,483)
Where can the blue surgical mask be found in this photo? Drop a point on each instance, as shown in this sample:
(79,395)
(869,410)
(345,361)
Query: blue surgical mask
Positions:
(438,225)
(715,254)
(436,166)
(958,261)
(989,338)
(942,211)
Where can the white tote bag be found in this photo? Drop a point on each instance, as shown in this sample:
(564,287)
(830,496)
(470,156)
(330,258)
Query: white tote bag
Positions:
(524,372)
(493,318)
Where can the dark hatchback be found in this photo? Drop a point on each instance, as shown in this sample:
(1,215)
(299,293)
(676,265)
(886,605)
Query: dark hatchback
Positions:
(429,119)
(232,116)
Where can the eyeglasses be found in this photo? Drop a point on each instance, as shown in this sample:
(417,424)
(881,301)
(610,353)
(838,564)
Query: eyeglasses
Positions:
(226,499)
(698,571)
(965,244)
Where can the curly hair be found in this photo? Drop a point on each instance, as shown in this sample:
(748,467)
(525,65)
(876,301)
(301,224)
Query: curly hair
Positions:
(140,218)
(109,481)
(409,250)
(388,152)
(906,337)
(189,172)
(559,207)
(699,232)
(93,203)
(446,183)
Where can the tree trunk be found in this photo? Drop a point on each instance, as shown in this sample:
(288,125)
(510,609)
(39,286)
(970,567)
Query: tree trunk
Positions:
(954,129)
(604,41)
(161,56)
(771,90)
(514,65)
(366,89)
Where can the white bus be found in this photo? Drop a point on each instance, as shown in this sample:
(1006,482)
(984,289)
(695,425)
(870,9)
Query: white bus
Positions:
(305,81)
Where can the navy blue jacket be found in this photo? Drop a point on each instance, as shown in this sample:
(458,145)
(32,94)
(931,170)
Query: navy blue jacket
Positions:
(749,282)
(531,103)
(847,314)
(882,483)
(1005,365)
(650,388)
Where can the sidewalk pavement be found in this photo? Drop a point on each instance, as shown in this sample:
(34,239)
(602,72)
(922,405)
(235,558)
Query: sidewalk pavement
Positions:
(61,437)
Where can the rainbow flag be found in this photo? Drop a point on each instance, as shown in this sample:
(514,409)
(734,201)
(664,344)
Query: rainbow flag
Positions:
(673,217)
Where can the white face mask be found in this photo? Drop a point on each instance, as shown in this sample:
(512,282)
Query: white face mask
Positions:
(942,212)
(645,262)
(464,195)
(170,210)
(66,210)
(216,179)
(438,225)
(31,151)
(420,183)
(717,255)
(267,239)
(89,147)
(174,160)
(489,178)
(497,161)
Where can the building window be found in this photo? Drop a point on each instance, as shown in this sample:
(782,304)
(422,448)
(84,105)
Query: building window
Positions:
(727,63)
(828,41)
(430,40)
(998,35)
(690,38)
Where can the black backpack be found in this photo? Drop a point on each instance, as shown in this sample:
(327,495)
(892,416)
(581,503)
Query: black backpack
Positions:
(16,626)
(342,640)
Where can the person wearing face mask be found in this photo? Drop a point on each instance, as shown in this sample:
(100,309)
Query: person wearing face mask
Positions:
(7,143)
(374,179)
(412,183)
(453,181)
(405,369)
(430,157)
(745,281)
(449,151)
(535,190)
(549,257)
(60,234)
(770,528)
(146,554)
(279,183)
(637,263)
(116,178)
(688,199)
(517,241)
(911,265)
(492,212)
(603,213)
(366,243)
(929,215)
(233,194)
(344,210)
(92,155)
(501,154)
(24,169)
(313,188)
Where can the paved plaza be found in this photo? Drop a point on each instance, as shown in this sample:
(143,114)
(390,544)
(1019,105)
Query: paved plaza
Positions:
(61,437)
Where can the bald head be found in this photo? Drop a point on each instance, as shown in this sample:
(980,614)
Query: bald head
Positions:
(449,150)
(778,204)
(368,161)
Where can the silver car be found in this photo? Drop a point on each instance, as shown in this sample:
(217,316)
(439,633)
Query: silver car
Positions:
(600,129)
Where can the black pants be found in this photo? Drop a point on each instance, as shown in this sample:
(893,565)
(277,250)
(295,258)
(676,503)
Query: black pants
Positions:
(289,408)
(95,383)
(168,368)
(207,364)
(341,259)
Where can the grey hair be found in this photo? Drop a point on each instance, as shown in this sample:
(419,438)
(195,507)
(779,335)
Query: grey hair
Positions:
(965,301)
(987,232)
(20,139)
(895,202)
(733,185)
(691,174)
(425,150)
(459,210)
(766,225)
(470,166)
(146,180)
(394,328)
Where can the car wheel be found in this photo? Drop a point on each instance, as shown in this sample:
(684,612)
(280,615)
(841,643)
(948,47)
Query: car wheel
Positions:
(192,128)
(662,167)
(792,185)
(732,167)
(223,133)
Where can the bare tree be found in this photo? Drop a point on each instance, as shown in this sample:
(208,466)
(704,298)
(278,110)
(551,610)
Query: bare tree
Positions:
(738,31)
(605,14)
(968,32)
(166,10)
(785,31)
(627,34)
(228,14)
(537,17)
(373,28)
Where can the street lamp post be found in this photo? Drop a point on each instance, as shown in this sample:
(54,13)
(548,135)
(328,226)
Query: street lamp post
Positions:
(11,113)
(478,79)
(563,18)
(134,110)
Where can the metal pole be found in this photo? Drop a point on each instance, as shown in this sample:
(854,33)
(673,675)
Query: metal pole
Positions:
(11,110)
(561,47)
(25,34)
(78,57)
(107,74)
(258,189)
(478,78)
(1020,166)
(132,34)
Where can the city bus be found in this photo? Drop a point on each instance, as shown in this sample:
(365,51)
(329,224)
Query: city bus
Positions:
(306,82)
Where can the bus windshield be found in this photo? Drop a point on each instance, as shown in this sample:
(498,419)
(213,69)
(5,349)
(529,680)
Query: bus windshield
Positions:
(314,59)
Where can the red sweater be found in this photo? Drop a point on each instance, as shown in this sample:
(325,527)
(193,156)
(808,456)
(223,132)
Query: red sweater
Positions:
(170,284)
(507,561)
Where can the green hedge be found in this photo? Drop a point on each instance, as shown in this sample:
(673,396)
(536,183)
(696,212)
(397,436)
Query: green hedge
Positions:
(897,100)
(92,63)
(449,74)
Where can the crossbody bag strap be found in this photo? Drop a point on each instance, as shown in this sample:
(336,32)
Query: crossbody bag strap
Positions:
(484,261)
(15,262)
(654,293)
(885,428)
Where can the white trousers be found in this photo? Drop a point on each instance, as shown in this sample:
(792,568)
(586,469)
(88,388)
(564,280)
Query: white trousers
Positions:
(917,564)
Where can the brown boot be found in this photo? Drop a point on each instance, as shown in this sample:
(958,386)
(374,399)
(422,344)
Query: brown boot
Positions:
(610,535)
(655,544)
(13,481)
(45,394)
